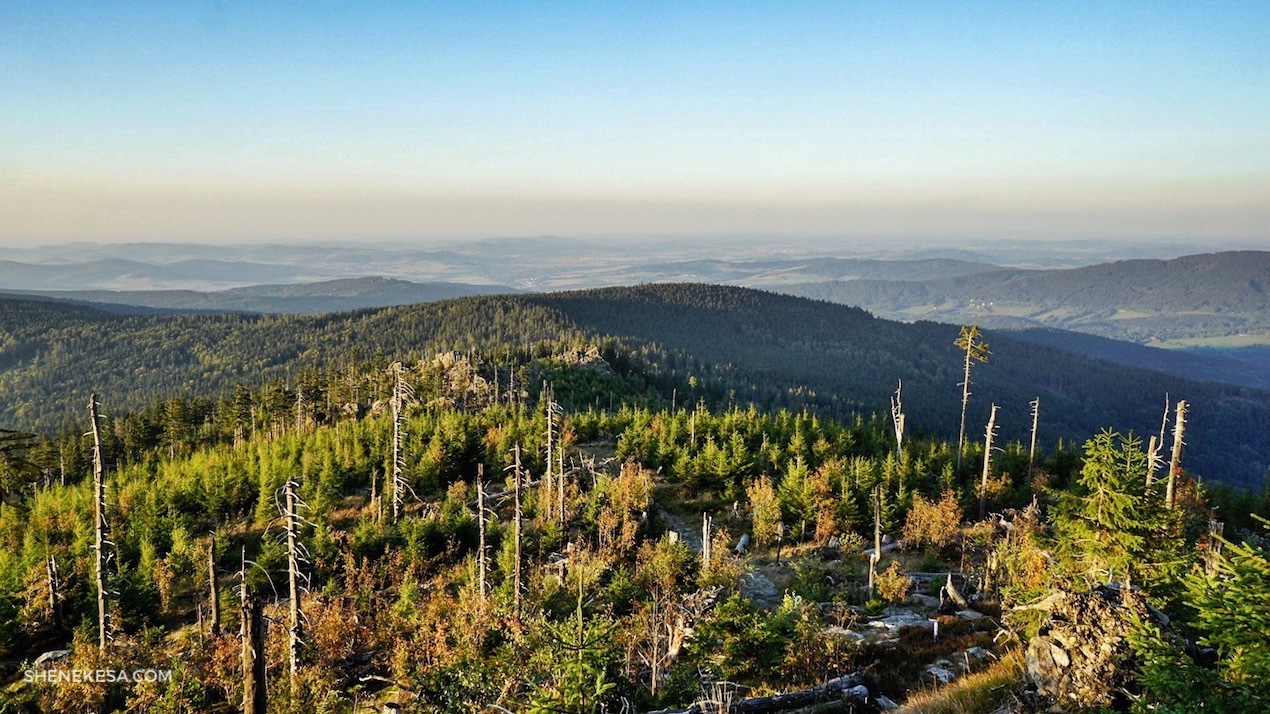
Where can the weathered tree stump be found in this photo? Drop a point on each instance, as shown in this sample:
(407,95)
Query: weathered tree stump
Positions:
(1080,659)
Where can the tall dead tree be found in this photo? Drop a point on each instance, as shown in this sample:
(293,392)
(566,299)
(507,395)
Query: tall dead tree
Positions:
(400,392)
(213,597)
(548,399)
(1031,453)
(897,418)
(988,436)
(292,525)
(705,541)
(1153,460)
(518,529)
(55,587)
(481,565)
(877,538)
(252,637)
(1175,463)
(560,480)
(299,409)
(971,342)
(101,542)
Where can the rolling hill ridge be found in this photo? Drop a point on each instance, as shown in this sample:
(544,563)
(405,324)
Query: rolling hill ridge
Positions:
(740,345)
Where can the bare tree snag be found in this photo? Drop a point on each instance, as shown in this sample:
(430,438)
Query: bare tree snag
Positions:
(1153,460)
(399,394)
(253,656)
(102,528)
(988,434)
(705,541)
(55,595)
(519,525)
(299,409)
(1179,430)
(1031,454)
(560,497)
(293,580)
(547,398)
(214,604)
(877,538)
(897,418)
(970,340)
(482,566)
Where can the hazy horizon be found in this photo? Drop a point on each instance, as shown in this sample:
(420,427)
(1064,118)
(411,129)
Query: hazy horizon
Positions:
(405,122)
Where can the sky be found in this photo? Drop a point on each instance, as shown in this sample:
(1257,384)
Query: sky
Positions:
(271,121)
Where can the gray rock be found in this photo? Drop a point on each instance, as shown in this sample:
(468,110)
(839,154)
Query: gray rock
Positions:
(940,675)
(53,656)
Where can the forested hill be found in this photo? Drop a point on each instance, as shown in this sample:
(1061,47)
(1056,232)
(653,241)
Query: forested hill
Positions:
(1217,294)
(286,299)
(721,344)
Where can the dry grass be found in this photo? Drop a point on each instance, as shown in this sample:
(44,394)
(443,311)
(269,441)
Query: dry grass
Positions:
(973,694)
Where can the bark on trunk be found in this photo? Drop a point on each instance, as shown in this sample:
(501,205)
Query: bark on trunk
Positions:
(214,605)
(102,528)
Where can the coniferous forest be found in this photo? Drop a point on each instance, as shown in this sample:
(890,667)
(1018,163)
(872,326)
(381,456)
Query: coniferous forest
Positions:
(658,499)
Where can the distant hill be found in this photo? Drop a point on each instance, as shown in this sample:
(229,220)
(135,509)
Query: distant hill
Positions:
(738,345)
(117,273)
(291,299)
(1212,365)
(758,273)
(1146,301)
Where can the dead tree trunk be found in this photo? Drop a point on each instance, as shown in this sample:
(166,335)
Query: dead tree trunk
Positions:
(1153,460)
(560,496)
(481,564)
(548,397)
(293,580)
(848,689)
(705,541)
(55,595)
(989,433)
(214,605)
(976,351)
(299,409)
(1179,429)
(877,538)
(253,656)
(519,524)
(399,393)
(102,527)
(897,419)
(1212,556)
(1031,454)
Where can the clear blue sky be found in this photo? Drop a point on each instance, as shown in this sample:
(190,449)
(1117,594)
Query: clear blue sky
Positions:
(266,120)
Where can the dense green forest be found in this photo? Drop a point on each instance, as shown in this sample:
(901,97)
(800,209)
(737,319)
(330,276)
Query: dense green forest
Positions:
(738,346)
(607,592)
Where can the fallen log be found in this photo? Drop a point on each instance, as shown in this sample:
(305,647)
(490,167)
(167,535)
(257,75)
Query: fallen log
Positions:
(847,688)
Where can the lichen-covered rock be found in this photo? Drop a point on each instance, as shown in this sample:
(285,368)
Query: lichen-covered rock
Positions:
(1080,657)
